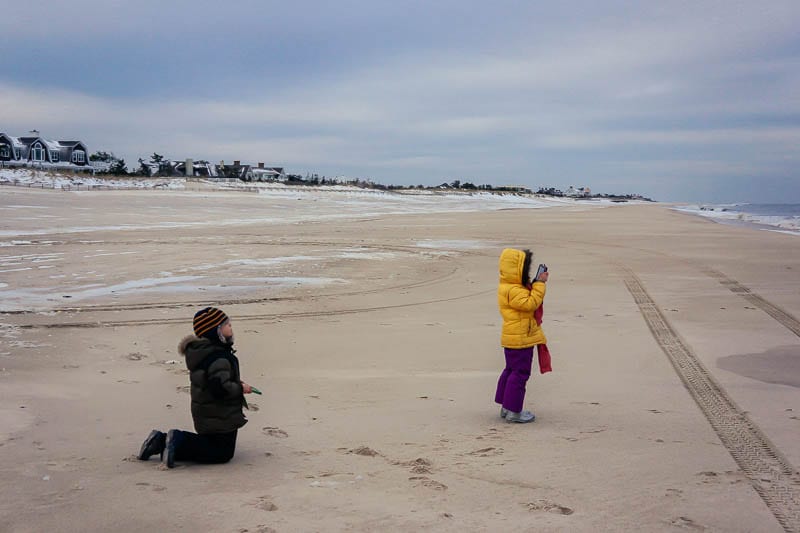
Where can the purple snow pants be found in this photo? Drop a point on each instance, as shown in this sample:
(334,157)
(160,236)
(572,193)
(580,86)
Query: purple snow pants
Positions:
(511,385)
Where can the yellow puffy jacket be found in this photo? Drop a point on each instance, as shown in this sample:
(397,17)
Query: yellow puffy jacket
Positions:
(517,303)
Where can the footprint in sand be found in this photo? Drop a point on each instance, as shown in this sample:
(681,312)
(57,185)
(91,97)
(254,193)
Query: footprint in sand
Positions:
(548,506)
(154,488)
(487,452)
(686,523)
(264,503)
(136,356)
(420,461)
(719,477)
(184,388)
(274,432)
(427,482)
(491,433)
(364,450)
(259,529)
(419,466)
(306,453)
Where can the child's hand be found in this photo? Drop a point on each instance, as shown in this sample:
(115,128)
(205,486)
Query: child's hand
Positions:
(247,389)
(543,276)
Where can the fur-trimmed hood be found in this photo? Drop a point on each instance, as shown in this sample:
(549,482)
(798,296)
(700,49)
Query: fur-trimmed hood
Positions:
(195,349)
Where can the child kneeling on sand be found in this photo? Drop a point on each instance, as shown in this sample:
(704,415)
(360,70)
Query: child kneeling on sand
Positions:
(217,394)
(519,297)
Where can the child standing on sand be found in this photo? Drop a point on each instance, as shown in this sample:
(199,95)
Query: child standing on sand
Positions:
(217,393)
(518,297)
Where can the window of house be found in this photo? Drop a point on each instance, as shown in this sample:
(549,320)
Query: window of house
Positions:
(16,153)
(78,156)
(54,156)
(4,151)
(38,153)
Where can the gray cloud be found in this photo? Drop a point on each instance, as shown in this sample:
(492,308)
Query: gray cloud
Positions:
(650,97)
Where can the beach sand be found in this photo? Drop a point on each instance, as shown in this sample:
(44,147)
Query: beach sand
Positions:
(375,341)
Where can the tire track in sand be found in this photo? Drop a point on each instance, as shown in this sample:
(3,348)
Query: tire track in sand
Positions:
(769,472)
(785,318)
(242,317)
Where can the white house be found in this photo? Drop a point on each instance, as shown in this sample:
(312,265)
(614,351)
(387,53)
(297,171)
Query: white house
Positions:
(579,192)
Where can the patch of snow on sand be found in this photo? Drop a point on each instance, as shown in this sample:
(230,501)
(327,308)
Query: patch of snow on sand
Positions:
(128,286)
(295,281)
(365,253)
(265,262)
(451,244)
(56,180)
(24,299)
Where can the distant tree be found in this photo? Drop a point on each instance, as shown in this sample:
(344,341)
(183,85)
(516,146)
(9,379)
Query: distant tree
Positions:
(143,169)
(106,157)
(164,166)
(456,184)
(469,186)
(118,168)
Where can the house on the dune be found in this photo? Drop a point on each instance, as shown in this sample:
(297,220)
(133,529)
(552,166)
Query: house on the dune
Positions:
(35,151)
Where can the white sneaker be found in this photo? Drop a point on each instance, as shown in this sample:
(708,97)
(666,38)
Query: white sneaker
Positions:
(503,412)
(522,417)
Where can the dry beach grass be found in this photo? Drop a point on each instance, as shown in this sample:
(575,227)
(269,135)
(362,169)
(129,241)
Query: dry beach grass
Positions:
(374,338)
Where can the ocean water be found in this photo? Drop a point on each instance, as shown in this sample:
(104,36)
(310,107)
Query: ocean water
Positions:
(784,218)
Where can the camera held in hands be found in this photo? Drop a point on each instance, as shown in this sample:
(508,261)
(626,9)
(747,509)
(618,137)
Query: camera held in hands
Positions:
(542,269)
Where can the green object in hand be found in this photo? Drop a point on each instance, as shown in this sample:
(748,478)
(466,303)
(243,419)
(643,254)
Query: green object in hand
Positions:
(255,390)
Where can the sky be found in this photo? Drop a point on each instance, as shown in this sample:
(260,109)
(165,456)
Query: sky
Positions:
(684,101)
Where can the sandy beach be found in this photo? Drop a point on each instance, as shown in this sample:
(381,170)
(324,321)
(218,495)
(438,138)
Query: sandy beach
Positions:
(373,331)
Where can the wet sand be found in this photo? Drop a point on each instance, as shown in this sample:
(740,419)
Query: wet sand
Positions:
(374,337)
(776,365)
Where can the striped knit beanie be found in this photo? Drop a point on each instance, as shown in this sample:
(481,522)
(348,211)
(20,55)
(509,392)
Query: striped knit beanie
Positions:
(208,319)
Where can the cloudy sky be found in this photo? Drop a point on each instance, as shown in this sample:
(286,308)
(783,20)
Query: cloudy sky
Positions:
(676,100)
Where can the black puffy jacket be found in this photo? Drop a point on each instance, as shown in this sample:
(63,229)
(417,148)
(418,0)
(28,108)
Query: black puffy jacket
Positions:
(216,388)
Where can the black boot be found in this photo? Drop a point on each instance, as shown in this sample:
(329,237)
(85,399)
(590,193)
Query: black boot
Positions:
(170,447)
(155,443)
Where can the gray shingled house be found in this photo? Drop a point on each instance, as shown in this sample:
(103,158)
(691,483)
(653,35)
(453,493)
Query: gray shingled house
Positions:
(37,152)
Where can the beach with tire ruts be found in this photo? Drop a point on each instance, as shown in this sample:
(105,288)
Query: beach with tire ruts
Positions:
(370,323)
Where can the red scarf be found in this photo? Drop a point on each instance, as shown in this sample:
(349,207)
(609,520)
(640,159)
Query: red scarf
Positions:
(541,349)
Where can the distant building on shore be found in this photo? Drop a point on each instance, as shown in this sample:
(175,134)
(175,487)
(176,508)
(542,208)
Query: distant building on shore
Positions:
(201,168)
(34,151)
(579,192)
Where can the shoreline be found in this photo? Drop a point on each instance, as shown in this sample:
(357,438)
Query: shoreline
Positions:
(779,226)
